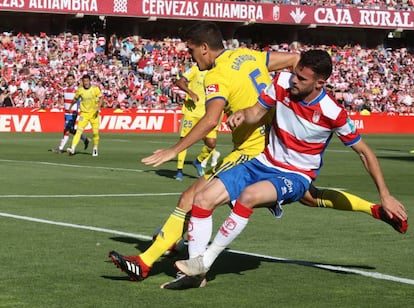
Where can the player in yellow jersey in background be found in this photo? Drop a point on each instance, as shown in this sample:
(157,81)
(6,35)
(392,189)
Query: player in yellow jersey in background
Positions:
(192,83)
(233,82)
(91,102)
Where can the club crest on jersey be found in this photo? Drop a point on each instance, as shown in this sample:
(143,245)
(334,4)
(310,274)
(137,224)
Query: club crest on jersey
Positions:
(213,88)
(286,101)
(316,116)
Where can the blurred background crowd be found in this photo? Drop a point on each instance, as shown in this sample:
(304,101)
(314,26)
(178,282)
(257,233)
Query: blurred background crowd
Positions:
(139,73)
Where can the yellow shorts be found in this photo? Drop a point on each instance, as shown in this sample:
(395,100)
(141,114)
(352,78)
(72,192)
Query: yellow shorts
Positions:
(188,122)
(88,117)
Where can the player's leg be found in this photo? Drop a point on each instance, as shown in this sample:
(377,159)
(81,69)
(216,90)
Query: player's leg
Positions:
(206,151)
(73,131)
(336,199)
(227,187)
(175,226)
(340,200)
(85,141)
(83,137)
(66,133)
(209,149)
(233,226)
(185,127)
(82,122)
(180,165)
(256,185)
(176,223)
(138,267)
(95,133)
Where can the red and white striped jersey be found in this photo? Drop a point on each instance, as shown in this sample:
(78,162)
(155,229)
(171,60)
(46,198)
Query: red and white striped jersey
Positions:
(68,95)
(301,131)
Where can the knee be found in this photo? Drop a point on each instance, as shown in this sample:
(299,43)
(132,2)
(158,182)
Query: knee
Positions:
(250,197)
(201,200)
(186,200)
(210,142)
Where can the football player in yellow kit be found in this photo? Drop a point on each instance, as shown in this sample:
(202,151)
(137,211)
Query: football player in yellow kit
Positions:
(193,109)
(91,102)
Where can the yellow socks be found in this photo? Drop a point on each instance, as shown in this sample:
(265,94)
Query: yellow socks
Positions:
(170,233)
(181,159)
(205,153)
(341,200)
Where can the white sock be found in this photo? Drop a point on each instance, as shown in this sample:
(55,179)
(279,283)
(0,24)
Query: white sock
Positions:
(199,234)
(63,142)
(229,230)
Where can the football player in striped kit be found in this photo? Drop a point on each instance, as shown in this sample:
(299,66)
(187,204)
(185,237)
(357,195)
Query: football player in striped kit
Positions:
(305,119)
(70,114)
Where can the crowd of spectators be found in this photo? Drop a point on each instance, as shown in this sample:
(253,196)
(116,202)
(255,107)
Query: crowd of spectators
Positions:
(136,73)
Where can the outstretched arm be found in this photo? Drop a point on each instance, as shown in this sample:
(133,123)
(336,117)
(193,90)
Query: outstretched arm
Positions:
(391,205)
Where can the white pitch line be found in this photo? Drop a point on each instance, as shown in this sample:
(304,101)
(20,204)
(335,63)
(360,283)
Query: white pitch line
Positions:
(374,275)
(68,165)
(89,196)
(76,226)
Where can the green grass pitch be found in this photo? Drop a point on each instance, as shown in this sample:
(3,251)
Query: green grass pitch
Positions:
(61,215)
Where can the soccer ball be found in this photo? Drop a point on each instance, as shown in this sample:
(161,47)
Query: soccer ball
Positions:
(175,248)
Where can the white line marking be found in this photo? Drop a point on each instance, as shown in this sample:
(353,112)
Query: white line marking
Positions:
(375,275)
(89,196)
(68,165)
(76,226)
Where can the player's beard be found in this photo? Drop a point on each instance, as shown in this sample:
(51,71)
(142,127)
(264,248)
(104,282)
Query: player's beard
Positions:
(297,95)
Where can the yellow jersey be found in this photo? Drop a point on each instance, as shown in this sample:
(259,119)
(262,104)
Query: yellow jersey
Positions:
(89,98)
(237,77)
(195,79)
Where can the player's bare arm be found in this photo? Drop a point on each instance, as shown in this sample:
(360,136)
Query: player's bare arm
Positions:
(281,60)
(210,120)
(183,85)
(251,115)
(391,205)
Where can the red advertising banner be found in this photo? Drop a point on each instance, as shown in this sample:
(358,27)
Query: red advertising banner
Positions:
(334,16)
(168,121)
(27,120)
(384,124)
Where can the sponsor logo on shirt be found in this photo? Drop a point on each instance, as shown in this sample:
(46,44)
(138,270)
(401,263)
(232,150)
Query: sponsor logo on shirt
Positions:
(213,88)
